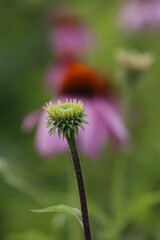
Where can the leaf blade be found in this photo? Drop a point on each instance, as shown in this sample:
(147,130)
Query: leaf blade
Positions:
(62,208)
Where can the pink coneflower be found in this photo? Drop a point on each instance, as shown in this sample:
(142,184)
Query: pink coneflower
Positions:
(55,75)
(104,117)
(140,15)
(69,37)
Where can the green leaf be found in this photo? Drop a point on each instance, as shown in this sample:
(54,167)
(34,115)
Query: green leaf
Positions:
(82,120)
(76,130)
(69,132)
(85,121)
(63,125)
(77,122)
(55,126)
(64,133)
(81,126)
(50,131)
(62,208)
(59,132)
(71,126)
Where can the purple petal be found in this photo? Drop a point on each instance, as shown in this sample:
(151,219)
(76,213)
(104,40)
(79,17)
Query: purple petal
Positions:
(92,140)
(70,40)
(47,145)
(140,14)
(30,121)
(55,76)
(112,119)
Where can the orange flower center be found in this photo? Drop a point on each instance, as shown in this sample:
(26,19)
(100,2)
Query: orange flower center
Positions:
(80,80)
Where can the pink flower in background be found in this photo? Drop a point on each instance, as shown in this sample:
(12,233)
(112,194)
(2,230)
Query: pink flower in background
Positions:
(69,37)
(104,117)
(30,121)
(140,15)
(70,40)
(55,75)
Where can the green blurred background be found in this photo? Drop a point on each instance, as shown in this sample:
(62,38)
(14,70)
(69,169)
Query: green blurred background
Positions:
(123,189)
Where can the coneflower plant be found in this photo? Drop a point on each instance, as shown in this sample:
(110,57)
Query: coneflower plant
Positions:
(66,118)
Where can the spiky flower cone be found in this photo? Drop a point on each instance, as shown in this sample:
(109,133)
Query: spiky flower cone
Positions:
(65,117)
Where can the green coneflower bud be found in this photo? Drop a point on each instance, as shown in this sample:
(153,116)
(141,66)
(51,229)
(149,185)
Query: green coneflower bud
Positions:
(66,117)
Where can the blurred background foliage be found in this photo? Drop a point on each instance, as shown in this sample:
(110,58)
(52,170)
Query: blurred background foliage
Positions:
(123,189)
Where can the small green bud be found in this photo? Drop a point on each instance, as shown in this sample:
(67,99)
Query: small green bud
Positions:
(65,117)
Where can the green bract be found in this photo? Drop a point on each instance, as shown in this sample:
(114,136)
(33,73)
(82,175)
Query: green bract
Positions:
(65,117)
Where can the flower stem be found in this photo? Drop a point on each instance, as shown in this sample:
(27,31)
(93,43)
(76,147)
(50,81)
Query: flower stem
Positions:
(74,231)
(80,182)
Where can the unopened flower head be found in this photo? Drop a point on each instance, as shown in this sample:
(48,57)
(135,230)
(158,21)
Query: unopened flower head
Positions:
(133,60)
(66,117)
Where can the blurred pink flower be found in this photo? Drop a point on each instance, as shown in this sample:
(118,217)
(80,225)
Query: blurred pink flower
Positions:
(30,121)
(69,37)
(104,117)
(55,75)
(140,15)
